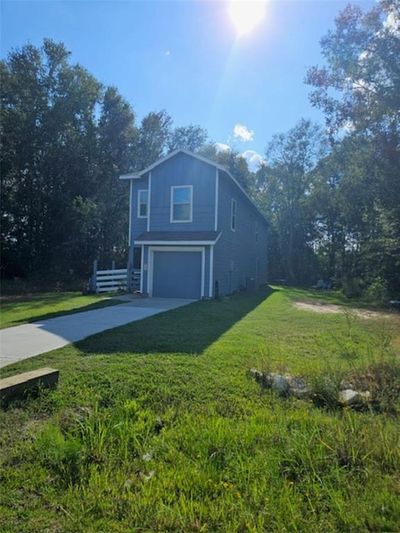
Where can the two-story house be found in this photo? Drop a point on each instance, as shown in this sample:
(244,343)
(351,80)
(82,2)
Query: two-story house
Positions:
(193,230)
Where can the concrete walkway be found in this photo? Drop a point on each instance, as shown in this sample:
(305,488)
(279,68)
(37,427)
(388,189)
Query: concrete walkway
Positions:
(28,340)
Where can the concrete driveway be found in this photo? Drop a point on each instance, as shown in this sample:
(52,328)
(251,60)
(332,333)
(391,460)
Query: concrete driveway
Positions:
(21,342)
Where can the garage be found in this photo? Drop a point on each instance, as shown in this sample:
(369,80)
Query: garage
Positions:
(177,273)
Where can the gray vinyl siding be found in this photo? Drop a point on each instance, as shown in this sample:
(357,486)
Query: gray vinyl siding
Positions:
(236,252)
(182,170)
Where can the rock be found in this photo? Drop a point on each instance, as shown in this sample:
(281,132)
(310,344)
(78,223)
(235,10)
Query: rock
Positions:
(298,387)
(280,384)
(349,397)
(256,374)
(344,384)
(297,382)
(300,394)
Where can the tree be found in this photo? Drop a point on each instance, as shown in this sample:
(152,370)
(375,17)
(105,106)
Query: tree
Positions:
(59,163)
(359,88)
(47,135)
(190,137)
(117,145)
(359,92)
(154,134)
(284,186)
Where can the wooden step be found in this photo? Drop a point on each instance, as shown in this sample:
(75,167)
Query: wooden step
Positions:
(19,385)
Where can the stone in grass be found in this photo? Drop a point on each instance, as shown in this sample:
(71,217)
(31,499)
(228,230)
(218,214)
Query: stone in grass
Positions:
(256,374)
(299,389)
(345,384)
(280,384)
(350,397)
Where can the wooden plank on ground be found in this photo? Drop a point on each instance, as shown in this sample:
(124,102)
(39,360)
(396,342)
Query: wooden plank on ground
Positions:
(20,384)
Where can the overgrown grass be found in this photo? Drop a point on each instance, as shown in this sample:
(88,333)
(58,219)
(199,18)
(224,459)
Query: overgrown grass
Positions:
(16,310)
(156,426)
(337,297)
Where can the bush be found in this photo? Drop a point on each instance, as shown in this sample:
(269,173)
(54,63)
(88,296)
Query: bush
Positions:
(352,287)
(377,292)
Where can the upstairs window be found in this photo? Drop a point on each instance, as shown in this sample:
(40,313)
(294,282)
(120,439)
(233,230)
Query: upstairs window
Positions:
(233,215)
(143,195)
(181,203)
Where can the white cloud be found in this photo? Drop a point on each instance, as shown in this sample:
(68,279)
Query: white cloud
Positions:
(243,133)
(254,159)
(167,52)
(222,147)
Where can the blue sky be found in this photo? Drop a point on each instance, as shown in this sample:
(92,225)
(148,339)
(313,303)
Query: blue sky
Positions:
(186,57)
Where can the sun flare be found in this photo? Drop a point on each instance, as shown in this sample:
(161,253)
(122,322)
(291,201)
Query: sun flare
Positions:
(246,15)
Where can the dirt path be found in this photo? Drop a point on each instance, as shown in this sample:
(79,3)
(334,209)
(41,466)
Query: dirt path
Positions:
(332,308)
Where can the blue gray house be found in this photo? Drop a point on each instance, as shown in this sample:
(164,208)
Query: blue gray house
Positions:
(193,230)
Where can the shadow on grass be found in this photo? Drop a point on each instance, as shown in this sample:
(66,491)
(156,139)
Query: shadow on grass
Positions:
(190,329)
(54,314)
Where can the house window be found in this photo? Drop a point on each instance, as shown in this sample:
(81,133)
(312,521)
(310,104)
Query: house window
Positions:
(181,203)
(233,215)
(142,203)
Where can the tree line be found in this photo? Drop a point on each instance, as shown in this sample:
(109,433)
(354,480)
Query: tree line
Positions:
(331,194)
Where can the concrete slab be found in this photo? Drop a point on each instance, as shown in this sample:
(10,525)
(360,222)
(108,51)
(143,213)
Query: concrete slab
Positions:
(28,340)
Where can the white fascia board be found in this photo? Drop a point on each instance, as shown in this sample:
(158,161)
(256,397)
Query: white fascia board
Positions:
(182,243)
(177,243)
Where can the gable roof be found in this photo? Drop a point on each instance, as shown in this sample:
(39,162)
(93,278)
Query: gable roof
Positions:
(138,175)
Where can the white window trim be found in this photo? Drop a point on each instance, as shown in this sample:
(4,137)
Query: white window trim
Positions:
(138,203)
(211,274)
(171,212)
(141,269)
(153,249)
(130,214)
(233,203)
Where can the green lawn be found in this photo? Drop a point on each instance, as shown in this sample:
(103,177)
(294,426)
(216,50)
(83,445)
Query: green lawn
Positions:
(156,426)
(16,310)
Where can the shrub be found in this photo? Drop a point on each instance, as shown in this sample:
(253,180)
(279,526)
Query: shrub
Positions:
(377,292)
(352,287)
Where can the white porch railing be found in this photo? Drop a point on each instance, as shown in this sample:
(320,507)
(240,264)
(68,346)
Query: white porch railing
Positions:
(114,279)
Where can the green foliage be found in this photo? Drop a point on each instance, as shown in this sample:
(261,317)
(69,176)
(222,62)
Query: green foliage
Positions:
(377,292)
(285,185)
(357,193)
(191,138)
